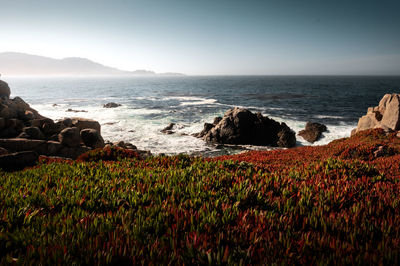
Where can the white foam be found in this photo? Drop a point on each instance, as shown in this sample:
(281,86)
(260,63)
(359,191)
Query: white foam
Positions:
(133,125)
(199,102)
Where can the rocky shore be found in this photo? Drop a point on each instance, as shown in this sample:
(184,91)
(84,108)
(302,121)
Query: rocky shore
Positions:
(25,134)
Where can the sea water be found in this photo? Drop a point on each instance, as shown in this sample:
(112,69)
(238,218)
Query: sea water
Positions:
(150,103)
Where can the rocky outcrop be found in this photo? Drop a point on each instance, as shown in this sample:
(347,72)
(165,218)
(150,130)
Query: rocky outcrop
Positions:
(92,138)
(240,126)
(25,134)
(111,105)
(4,90)
(312,132)
(386,115)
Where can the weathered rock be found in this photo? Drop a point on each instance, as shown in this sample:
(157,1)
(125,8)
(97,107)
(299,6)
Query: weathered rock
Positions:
(217,120)
(6,112)
(19,144)
(111,105)
(385,115)
(2,123)
(92,138)
(18,160)
(207,127)
(240,126)
(168,129)
(130,146)
(28,115)
(50,128)
(391,115)
(4,90)
(120,144)
(23,135)
(76,111)
(18,125)
(8,132)
(70,137)
(33,133)
(53,148)
(83,123)
(67,122)
(3,151)
(287,137)
(312,132)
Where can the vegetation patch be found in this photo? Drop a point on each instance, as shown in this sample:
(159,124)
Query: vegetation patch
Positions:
(312,205)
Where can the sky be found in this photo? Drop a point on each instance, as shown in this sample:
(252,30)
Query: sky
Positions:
(211,37)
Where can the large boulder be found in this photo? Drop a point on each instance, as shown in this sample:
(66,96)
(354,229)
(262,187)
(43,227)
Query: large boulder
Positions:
(4,90)
(33,133)
(83,123)
(312,132)
(240,126)
(19,144)
(49,127)
(92,138)
(70,137)
(386,115)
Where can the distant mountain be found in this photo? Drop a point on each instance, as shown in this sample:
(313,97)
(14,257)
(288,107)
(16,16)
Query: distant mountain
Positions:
(25,64)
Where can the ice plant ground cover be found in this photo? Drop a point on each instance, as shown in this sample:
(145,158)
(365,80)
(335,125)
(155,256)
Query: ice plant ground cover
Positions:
(338,203)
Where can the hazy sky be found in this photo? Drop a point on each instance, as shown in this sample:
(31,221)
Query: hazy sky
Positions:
(211,37)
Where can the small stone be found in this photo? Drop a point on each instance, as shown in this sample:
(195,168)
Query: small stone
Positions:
(111,105)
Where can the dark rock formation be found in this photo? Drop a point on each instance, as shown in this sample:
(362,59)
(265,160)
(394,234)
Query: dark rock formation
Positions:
(386,115)
(111,105)
(168,129)
(33,133)
(76,111)
(83,123)
(70,137)
(312,132)
(240,126)
(4,90)
(92,138)
(18,160)
(38,135)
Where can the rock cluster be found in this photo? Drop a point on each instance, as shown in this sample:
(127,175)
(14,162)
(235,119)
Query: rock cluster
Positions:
(240,126)
(386,115)
(312,132)
(25,134)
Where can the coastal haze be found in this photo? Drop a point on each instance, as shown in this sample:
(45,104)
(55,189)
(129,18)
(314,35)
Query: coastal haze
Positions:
(20,64)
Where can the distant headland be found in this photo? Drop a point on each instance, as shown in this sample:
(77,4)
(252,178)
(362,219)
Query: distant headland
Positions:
(12,63)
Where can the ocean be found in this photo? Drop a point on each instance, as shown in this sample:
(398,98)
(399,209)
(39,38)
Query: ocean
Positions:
(150,103)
